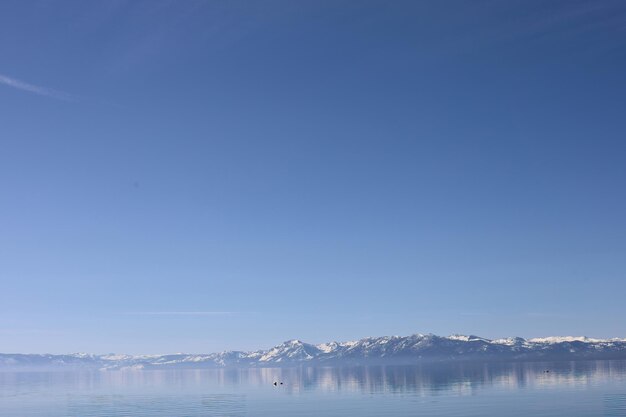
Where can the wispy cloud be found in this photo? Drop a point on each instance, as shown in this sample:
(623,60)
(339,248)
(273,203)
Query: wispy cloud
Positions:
(182,313)
(35,89)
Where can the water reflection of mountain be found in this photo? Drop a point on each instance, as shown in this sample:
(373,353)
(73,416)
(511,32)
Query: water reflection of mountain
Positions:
(424,379)
(431,378)
(427,379)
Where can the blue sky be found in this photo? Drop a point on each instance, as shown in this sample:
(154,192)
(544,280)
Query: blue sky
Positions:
(198,176)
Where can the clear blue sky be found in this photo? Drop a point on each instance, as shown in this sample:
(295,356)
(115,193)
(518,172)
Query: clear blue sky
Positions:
(197,176)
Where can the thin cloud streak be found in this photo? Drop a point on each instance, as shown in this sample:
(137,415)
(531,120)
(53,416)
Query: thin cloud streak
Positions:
(182,313)
(35,89)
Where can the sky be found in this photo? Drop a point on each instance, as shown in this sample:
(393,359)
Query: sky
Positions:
(201,176)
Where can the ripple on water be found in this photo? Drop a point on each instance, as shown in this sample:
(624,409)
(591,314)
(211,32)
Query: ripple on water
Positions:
(222,405)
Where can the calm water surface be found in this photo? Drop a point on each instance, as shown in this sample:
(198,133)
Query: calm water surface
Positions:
(569,389)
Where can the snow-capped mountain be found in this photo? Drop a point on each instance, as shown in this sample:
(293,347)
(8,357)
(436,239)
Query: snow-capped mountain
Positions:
(417,348)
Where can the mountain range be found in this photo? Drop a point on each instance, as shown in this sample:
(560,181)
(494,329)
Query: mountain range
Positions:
(414,349)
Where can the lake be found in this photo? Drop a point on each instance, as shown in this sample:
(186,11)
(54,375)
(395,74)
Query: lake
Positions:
(594,388)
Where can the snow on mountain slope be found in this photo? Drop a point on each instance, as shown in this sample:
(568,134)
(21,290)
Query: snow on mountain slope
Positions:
(564,339)
(381,350)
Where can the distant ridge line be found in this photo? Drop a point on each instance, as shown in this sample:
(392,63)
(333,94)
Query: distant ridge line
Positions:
(413,349)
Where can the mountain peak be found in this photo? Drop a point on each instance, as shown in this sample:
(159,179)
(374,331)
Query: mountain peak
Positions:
(413,349)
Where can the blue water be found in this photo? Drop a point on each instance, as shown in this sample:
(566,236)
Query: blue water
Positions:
(570,389)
